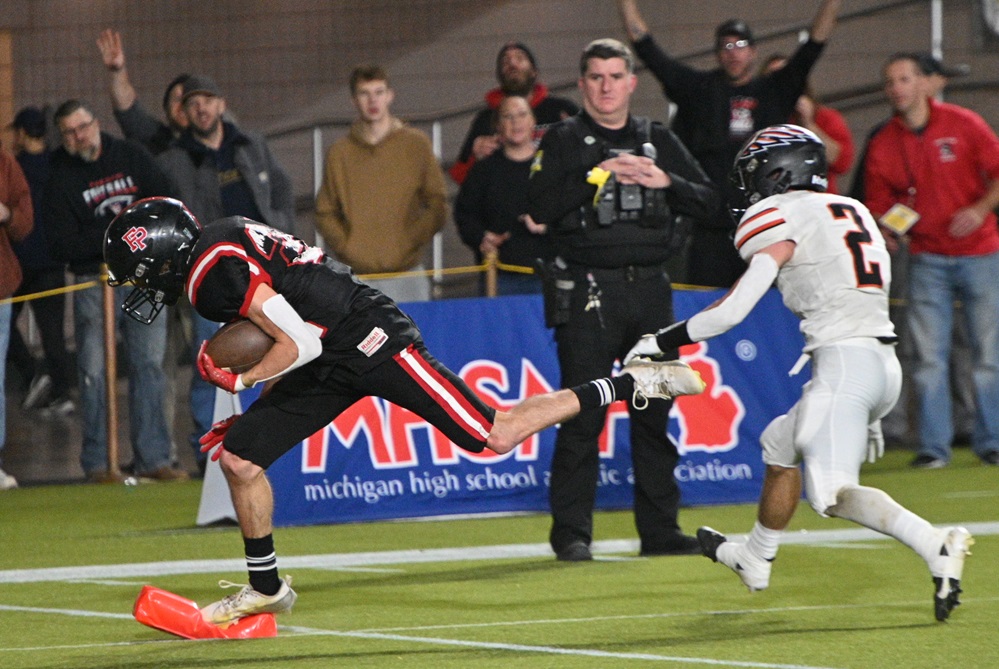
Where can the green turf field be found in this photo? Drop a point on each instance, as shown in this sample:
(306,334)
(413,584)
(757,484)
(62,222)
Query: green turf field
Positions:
(388,594)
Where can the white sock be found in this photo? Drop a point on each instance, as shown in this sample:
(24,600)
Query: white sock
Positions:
(876,510)
(763,542)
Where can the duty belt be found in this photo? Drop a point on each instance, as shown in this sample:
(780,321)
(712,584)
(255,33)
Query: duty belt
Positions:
(626,273)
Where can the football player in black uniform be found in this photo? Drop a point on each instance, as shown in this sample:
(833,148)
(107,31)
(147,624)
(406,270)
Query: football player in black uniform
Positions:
(336,340)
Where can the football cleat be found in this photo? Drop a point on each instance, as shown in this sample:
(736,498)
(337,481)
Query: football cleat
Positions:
(946,570)
(248,602)
(754,571)
(664,379)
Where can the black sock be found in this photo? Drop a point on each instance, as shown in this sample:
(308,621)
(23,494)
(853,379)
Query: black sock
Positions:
(602,392)
(261,563)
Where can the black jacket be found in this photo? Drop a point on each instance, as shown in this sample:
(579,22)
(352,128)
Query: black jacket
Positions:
(559,193)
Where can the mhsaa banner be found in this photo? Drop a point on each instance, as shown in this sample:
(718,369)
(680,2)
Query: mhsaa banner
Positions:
(377,461)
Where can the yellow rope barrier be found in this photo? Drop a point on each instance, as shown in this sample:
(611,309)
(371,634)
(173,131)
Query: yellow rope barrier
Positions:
(50,293)
(484,267)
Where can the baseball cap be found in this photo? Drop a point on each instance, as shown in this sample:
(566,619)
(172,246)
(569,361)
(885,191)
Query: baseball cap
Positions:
(31,120)
(200,84)
(930,64)
(736,27)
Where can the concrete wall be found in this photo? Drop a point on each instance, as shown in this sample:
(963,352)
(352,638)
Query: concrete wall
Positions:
(283,63)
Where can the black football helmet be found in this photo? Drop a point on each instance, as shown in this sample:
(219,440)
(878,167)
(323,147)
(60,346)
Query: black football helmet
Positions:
(150,244)
(775,160)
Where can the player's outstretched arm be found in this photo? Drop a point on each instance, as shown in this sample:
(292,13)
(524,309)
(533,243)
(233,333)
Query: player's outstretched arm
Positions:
(726,312)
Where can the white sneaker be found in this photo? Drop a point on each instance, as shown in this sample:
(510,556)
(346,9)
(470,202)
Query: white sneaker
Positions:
(754,571)
(248,602)
(7,482)
(665,379)
(946,569)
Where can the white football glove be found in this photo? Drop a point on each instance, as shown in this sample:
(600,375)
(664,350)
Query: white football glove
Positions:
(647,347)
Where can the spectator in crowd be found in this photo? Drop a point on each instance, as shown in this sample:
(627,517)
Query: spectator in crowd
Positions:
(49,387)
(94,176)
(793,232)
(608,185)
(383,195)
(220,169)
(937,77)
(16,222)
(718,110)
(491,208)
(898,425)
(356,343)
(827,123)
(135,122)
(517,74)
(932,175)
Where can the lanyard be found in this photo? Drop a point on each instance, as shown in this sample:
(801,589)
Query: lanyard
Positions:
(909,174)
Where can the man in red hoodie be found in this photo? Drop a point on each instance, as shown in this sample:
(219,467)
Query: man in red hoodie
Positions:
(517,74)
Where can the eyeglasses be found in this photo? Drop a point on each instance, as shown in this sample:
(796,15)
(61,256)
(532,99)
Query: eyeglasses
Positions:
(738,44)
(71,132)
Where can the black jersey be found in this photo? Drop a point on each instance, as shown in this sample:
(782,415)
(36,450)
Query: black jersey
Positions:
(357,324)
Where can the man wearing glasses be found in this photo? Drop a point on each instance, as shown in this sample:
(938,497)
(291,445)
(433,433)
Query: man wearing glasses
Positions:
(718,110)
(93,176)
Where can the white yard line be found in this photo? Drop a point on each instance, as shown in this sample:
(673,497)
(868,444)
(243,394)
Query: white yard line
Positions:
(367,560)
(551,650)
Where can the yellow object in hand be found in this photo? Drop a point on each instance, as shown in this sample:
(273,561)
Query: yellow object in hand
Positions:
(598,177)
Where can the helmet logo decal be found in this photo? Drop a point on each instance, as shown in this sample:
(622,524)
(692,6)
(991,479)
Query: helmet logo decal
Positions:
(136,239)
(779,135)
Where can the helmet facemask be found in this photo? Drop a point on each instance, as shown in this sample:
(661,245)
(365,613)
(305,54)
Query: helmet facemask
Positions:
(150,244)
(152,291)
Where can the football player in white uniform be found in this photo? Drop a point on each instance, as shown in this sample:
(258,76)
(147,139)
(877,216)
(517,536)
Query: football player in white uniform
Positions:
(829,260)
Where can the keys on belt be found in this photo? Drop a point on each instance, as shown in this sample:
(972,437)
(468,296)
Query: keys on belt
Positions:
(593,294)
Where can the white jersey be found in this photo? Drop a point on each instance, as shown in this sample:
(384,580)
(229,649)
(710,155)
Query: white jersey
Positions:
(837,280)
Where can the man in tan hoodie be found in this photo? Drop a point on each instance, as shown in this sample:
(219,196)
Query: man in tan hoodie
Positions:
(383,196)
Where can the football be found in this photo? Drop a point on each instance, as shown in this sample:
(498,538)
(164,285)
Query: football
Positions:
(238,346)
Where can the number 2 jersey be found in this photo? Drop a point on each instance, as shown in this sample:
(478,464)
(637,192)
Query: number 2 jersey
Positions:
(358,325)
(838,278)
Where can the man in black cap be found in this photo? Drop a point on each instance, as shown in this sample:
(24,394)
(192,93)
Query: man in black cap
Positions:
(718,110)
(517,74)
(135,122)
(222,170)
(49,387)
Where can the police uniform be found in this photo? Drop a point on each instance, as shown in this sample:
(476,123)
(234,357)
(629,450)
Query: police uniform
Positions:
(370,347)
(606,289)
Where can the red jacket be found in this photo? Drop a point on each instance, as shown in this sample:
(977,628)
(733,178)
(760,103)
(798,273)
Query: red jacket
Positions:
(15,194)
(950,164)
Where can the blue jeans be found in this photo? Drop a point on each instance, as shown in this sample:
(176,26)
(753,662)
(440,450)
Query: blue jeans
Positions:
(935,282)
(5,326)
(202,393)
(145,348)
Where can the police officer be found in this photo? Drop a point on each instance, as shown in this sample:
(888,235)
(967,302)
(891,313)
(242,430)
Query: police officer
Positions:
(609,186)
